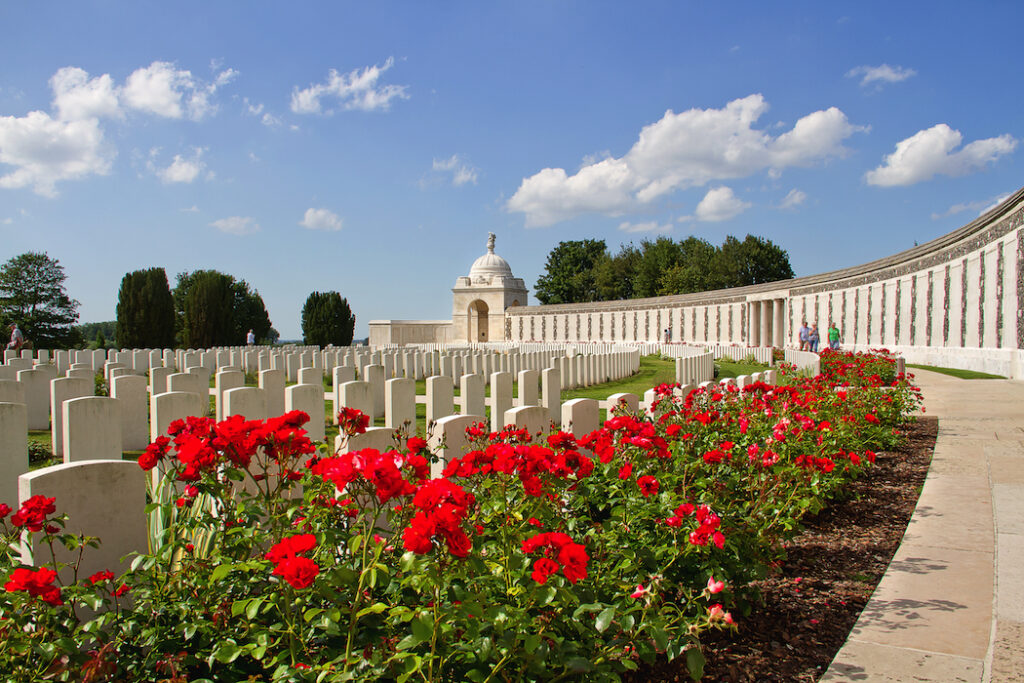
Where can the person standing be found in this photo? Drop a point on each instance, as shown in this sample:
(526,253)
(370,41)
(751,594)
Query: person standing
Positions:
(813,338)
(805,337)
(17,338)
(833,336)
(250,338)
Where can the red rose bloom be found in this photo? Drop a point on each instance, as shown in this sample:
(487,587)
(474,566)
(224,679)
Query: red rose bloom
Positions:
(648,485)
(298,571)
(37,582)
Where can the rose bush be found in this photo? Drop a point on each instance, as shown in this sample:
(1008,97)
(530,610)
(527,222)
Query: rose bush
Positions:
(534,556)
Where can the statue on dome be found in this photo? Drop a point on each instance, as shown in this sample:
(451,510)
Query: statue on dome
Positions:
(490,243)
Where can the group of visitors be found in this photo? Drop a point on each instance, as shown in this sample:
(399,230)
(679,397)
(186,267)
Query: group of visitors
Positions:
(810,338)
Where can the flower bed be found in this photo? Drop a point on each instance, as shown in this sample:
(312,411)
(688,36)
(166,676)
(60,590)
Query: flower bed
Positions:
(533,557)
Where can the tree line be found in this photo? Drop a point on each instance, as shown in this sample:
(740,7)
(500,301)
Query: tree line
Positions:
(584,270)
(205,308)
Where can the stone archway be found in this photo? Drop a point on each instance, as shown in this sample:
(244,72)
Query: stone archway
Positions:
(478,321)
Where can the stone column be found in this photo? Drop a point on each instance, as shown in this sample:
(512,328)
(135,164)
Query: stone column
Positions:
(764,337)
(779,328)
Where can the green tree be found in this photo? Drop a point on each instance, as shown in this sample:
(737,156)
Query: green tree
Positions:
(32,295)
(657,259)
(145,310)
(569,273)
(693,271)
(247,310)
(753,261)
(327,319)
(250,313)
(208,315)
(615,276)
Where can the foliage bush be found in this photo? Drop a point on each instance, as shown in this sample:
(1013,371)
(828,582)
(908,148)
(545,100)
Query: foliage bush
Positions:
(530,557)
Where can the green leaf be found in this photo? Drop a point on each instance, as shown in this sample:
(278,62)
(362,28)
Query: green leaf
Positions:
(604,619)
(423,626)
(227,652)
(578,664)
(375,608)
(407,561)
(253,609)
(219,572)
(238,606)
(408,642)
(531,642)
(660,638)
(695,663)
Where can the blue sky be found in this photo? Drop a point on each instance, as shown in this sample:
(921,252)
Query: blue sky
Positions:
(369,148)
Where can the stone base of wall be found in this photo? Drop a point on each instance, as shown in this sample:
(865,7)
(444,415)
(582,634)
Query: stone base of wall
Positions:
(1005,362)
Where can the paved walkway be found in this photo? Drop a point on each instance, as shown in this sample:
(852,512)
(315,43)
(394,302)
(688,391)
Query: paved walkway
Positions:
(950,607)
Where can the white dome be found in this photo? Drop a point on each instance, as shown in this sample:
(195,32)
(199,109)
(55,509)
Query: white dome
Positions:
(490,264)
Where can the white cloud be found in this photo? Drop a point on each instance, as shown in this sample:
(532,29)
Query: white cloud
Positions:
(880,74)
(76,96)
(191,209)
(930,152)
(164,90)
(794,199)
(236,225)
(357,89)
(320,219)
(461,171)
(689,149)
(651,227)
(44,151)
(7,221)
(982,206)
(183,170)
(994,203)
(720,204)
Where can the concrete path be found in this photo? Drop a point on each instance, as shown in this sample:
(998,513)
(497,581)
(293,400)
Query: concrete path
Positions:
(950,607)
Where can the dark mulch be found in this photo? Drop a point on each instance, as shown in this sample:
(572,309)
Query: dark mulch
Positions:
(831,569)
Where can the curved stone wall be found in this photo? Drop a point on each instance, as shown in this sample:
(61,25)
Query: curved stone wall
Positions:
(956,301)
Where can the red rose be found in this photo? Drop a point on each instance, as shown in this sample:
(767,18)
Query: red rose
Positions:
(648,485)
(298,571)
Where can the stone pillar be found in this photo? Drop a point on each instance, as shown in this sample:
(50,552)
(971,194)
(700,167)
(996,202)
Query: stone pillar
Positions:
(501,398)
(528,392)
(63,389)
(375,377)
(272,383)
(225,380)
(440,398)
(158,379)
(309,398)
(779,328)
(13,450)
(450,431)
(312,376)
(581,416)
(340,375)
(400,404)
(551,394)
(130,390)
(36,384)
(472,395)
(92,429)
(249,402)
(532,418)
(631,401)
(764,336)
(170,406)
(102,498)
(356,395)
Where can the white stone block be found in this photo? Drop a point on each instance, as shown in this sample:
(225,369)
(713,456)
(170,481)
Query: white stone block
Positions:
(130,390)
(532,418)
(309,398)
(102,498)
(13,449)
(272,382)
(63,389)
(36,384)
(223,381)
(92,429)
(169,406)
(400,404)
(501,398)
(631,402)
(451,432)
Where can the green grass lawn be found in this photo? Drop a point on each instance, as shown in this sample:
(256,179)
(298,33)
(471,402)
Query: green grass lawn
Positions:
(956,372)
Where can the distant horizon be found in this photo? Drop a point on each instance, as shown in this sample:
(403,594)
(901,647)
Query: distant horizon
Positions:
(369,149)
